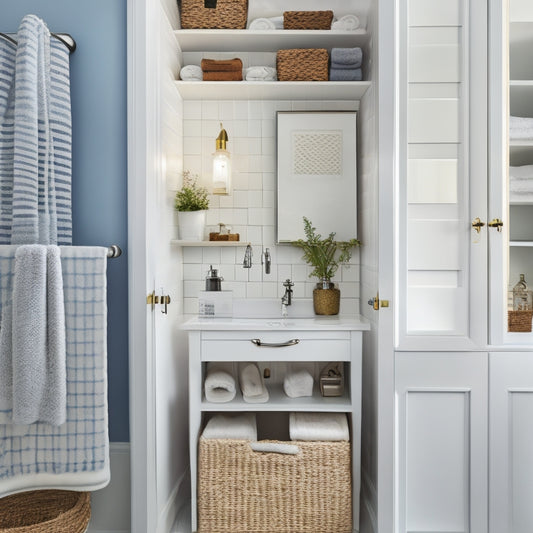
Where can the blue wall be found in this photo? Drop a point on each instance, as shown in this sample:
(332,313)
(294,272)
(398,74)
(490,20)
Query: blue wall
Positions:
(99,155)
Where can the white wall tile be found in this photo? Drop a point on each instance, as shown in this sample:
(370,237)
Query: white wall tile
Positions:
(254,289)
(255,181)
(211,255)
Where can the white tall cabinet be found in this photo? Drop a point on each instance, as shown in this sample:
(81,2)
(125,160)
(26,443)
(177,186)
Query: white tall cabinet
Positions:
(463,383)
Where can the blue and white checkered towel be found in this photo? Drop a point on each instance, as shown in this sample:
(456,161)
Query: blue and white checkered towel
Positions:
(74,455)
(35,138)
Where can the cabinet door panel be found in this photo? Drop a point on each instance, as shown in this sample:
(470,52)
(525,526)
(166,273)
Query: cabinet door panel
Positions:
(441,431)
(511,442)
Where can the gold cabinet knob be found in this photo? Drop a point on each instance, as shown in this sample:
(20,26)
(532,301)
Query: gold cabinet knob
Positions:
(496,223)
(477,224)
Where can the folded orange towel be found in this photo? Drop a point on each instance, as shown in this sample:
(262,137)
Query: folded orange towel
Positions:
(223,76)
(222,65)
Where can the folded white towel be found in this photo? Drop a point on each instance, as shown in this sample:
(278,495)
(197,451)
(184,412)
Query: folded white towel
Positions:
(318,426)
(230,426)
(32,342)
(252,385)
(266,446)
(524,171)
(346,23)
(524,185)
(520,128)
(191,73)
(219,385)
(260,74)
(263,23)
(516,197)
(298,383)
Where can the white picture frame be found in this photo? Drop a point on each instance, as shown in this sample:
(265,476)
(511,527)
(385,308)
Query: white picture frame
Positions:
(316,173)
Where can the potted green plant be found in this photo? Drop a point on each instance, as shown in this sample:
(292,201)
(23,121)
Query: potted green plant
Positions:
(325,255)
(191,203)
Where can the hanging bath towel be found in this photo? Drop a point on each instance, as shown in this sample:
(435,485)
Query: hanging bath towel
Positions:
(36,148)
(74,455)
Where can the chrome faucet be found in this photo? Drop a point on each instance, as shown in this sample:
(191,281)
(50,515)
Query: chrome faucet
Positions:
(286,299)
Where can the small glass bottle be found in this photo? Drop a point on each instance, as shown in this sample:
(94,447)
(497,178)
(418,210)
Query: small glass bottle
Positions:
(521,295)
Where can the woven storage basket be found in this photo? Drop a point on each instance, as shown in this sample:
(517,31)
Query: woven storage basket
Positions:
(307,20)
(302,64)
(242,491)
(45,511)
(217,14)
(519,321)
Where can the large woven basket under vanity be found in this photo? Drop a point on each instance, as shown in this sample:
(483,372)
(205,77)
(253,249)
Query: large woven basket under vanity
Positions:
(242,491)
(214,14)
(45,511)
(302,64)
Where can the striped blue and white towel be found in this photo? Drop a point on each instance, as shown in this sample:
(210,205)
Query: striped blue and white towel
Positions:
(35,138)
(74,455)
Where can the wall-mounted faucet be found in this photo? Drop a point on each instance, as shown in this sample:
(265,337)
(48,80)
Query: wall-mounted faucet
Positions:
(286,299)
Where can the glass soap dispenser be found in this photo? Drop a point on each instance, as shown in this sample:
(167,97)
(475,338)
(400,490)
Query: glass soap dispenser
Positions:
(522,297)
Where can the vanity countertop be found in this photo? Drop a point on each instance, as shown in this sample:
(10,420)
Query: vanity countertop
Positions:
(331,323)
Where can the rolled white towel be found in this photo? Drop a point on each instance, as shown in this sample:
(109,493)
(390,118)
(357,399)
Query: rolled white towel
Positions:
(260,74)
(223,426)
(252,385)
(219,385)
(298,383)
(346,23)
(318,426)
(524,171)
(263,23)
(520,128)
(191,73)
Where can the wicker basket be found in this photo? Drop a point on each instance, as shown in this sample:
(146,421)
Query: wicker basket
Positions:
(45,511)
(302,64)
(217,14)
(519,321)
(307,20)
(242,491)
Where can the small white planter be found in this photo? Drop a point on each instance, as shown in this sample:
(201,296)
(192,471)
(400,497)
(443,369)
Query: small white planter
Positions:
(191,225)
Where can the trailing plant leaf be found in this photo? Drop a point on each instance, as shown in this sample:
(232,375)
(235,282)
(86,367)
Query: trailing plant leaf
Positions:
(324,254)
(191,197)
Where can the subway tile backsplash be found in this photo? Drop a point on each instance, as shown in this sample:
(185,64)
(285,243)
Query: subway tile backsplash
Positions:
(251,208)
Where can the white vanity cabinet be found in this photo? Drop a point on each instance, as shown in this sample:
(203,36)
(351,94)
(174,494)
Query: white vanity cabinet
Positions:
(320,341)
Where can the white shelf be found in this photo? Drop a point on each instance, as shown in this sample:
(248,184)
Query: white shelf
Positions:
(523,244)
(521,144)
(266,41)
(274,90)
(279,401)
(208,243)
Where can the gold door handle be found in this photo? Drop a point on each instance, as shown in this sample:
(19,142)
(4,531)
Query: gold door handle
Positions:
(477,224)
(496,223)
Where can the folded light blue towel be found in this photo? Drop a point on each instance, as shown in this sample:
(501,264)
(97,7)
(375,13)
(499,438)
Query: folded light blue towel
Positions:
(355,74)
(32,338)
(347,56)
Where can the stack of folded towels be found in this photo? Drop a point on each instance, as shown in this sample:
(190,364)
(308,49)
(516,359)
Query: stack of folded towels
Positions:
(222,69)
(521,128)
(521,183)
(346,64)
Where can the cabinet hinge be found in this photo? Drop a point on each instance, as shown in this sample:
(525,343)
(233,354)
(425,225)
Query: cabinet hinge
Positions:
(152,299)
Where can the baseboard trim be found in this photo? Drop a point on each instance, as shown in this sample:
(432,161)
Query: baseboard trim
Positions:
(168,515)
(369,499)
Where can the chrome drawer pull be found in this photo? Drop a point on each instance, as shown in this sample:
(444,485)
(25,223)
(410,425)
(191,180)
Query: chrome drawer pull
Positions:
(258,342)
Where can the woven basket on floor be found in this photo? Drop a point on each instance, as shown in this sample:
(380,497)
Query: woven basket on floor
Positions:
(307,20)
(242,491)
(215,14)
(519,321)
(45,511)
(302,64)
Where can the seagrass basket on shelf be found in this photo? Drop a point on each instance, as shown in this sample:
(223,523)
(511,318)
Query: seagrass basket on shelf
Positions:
(307,20)
(519,321)
(45,511)
(302,64)
(213,14)
(242,491)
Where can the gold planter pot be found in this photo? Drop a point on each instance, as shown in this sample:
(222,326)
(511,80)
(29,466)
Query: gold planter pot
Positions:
(326,299)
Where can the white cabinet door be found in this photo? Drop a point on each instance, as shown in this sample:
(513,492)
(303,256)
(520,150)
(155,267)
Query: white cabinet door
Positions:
(511,442)
(442,275)
(441,440)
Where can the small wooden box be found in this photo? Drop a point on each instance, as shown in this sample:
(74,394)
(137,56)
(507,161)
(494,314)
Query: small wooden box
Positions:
(223,236)
(302,64)
(214,14)
(307,20)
